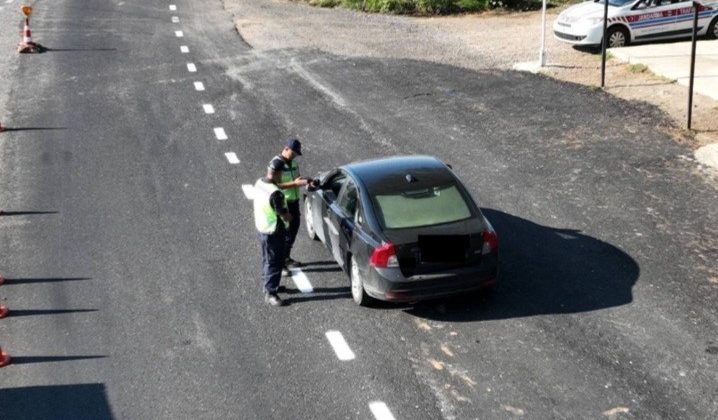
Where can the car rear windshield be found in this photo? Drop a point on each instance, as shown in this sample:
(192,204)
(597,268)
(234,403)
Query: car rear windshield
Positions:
(422,207)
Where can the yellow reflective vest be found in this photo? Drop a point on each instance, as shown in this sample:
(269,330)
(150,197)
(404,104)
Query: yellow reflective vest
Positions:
(265,218)
(289,174)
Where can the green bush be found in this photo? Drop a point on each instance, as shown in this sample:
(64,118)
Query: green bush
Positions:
(474,5)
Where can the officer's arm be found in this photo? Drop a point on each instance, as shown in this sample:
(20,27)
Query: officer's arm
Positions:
(298,182)
(277,200)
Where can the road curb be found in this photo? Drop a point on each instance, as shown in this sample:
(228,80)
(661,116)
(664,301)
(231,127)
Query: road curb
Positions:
(708,155)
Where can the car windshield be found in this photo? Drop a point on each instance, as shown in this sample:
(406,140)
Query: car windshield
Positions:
(423,207)
(617,3)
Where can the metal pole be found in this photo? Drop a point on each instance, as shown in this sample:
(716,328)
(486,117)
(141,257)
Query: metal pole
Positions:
(693,62)
(542,53)
(604,42)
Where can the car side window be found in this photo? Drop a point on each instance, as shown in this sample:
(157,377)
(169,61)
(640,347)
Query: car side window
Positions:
(359,217)
(333,185)
(348,199)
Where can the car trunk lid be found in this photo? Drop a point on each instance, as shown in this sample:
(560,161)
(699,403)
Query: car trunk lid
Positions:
(438,248)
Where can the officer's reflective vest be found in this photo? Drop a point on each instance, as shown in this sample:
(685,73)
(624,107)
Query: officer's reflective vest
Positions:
(289,173)
(265,218)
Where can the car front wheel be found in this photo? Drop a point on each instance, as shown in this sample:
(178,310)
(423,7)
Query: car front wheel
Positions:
(357,285)
(713,29)
(309,219)
(617,37)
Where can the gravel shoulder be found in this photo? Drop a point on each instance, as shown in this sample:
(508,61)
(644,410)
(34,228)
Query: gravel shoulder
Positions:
(495,40)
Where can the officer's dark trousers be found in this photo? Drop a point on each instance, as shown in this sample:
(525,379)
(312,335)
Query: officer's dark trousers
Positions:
(293,207)
(272,259)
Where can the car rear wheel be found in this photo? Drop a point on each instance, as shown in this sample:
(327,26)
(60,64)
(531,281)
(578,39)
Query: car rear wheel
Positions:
(713,29)
(617,37)
(309,219)
(357,286)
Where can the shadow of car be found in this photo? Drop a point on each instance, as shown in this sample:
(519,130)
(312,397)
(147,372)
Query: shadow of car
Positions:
(544,270)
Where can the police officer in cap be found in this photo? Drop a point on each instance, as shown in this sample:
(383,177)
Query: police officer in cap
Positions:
(290,181)
(272,220)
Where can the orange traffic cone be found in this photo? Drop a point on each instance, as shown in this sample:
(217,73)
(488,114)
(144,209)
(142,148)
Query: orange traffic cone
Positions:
(4,358)
(2,127)
(2,279)
(3,311)
(27,46)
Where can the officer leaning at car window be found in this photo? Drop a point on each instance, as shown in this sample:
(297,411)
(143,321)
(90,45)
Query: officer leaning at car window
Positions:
(272,220)
(290,181)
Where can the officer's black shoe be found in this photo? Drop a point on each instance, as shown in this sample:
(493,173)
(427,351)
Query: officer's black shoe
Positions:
(281,289)
(273,299)
(291,262)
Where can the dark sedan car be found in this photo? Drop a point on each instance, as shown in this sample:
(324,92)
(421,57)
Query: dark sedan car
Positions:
(403,228)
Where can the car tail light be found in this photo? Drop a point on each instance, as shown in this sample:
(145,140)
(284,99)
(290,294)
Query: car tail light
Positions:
(384,256)
(491,242)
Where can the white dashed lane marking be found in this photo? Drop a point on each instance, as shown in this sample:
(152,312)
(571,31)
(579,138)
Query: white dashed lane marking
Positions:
(248,191)
(173,7)
(344,353)
(301,281)
(232,158)
(340,346)
(380,411)
(220,133)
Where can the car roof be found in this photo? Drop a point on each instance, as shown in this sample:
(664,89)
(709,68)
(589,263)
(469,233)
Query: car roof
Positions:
(390,174)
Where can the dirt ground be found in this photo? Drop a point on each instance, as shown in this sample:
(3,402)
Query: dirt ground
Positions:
(477,41)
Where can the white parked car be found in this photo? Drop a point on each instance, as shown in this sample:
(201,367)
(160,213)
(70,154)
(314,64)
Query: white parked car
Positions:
(634,21)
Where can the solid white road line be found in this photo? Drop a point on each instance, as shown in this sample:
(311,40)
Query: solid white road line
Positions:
(208,108)
(184,49)
(340,346)
(173,7)
(380,411)
(175,19)
(191,67)
(220,133)
(232,158)
(248,190)
(198,86)
(179,34)
(301,281)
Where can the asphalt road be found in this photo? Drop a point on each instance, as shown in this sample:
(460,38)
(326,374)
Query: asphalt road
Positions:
(133,266)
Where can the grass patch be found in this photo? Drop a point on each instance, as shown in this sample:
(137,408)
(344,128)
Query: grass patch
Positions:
(326,3)
(434,7)
(637,68)
(599,57)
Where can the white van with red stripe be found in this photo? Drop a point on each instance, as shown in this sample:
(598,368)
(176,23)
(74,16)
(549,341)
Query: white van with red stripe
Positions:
(635,21)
